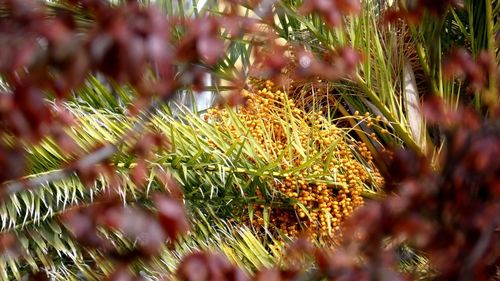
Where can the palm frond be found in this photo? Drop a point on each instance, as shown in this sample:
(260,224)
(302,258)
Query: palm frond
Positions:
(219,174)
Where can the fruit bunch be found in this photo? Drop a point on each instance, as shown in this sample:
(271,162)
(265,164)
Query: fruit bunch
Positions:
(321,172)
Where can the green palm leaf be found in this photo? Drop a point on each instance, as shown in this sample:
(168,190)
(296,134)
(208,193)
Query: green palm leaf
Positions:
(217,181)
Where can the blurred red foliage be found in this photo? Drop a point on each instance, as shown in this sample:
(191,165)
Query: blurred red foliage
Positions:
(413,11)
(450,214)
(332,10)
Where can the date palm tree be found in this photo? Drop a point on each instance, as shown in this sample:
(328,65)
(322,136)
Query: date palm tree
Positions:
(218,182)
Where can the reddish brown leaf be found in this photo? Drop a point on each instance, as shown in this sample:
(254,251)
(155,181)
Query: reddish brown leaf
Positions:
(137,225)
(82,226)
(139,174)
(332,10)
(9,247)
(172,215)
(13,161)
(194,267)
(208,267)
(272,274)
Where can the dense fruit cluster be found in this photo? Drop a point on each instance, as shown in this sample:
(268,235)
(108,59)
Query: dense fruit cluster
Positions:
(323,170)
